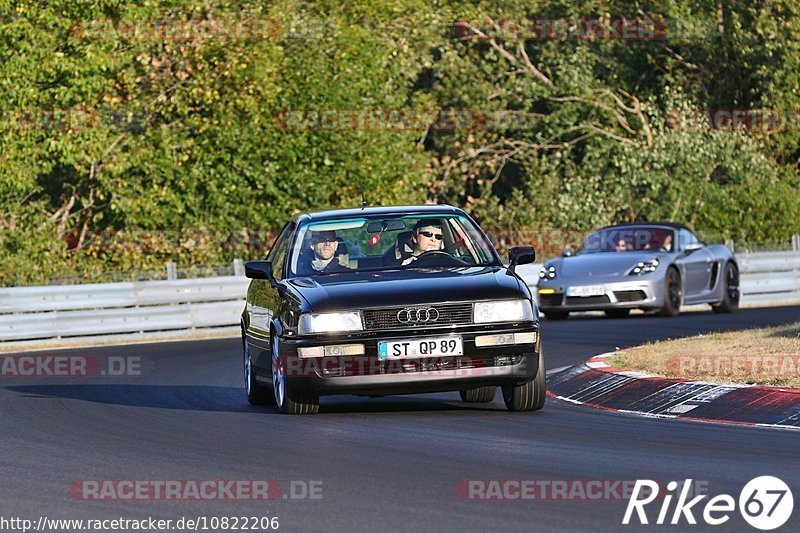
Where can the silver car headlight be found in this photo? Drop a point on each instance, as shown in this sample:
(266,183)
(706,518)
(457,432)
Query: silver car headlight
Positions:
(329,322)
(644,267)
(502,311)
(547,272)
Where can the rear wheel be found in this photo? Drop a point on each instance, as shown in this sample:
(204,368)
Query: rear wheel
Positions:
(529,396)
(256,394)
(730,292)
(673,293)
(478,394)
(289,401)
(617,313)
(556,315)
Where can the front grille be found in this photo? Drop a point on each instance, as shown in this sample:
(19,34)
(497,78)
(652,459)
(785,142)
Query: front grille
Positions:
(449,314)
(630,296)
(587,300)
(352,366)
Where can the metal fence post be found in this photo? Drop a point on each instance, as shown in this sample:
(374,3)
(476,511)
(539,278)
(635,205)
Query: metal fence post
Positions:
(796,243)
(238,267)
(729,243)
(172,271)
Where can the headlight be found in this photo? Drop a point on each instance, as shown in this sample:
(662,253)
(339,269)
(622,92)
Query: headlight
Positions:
(547,272)
(643,267)
(503,311)
(329,322)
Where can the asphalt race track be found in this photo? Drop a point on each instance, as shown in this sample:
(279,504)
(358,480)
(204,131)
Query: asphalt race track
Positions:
(386,464)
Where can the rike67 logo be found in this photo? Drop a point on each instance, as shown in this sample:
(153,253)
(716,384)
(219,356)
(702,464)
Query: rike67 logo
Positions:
(765,503)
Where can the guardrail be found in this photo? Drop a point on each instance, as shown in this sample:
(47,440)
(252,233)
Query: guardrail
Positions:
(33,313)
(28,313)
(769,278)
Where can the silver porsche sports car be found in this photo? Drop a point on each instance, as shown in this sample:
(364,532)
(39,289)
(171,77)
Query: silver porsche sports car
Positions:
(651,266)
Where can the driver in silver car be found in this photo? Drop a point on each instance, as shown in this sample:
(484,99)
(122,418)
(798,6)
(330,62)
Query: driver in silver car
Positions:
(426,237)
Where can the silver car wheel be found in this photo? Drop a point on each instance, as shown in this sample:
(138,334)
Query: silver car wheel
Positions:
(733,284)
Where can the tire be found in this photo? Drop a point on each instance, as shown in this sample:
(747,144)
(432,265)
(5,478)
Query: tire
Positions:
(256,394)
(289,401)
(529,396)
(478,394)
(617,313)
(556,315)
(673,293)
(730,291)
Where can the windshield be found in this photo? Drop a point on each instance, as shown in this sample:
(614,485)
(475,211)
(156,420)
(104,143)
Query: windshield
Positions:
(629,239)
(383,243)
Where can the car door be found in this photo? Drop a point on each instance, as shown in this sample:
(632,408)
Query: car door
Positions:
(696,262)
(263,299)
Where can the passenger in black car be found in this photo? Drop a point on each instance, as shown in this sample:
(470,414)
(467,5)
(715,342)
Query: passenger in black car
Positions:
(324,260)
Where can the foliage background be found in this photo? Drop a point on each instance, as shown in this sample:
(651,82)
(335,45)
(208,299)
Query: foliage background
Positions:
(121,152)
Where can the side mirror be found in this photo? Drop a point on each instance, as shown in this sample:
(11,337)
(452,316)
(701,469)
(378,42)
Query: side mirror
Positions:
(520,255)
(259,270)
(567,252)
(693,246)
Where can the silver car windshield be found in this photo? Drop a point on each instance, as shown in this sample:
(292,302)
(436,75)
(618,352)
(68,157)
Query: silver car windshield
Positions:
(629,239)
(384,243)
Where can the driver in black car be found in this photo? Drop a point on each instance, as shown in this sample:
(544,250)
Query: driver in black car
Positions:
(426,237)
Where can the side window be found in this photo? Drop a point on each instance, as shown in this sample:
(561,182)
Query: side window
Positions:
(463,246)
(278,253)
(686,237)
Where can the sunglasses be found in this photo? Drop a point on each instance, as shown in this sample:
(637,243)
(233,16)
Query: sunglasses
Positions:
(431,235)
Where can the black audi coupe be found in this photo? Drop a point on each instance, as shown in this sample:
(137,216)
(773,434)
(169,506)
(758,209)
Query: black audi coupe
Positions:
(389,300)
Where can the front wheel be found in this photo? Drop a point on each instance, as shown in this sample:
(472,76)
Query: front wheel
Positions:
(289,401)
(256,394)
(673,293)
(529,396)
(730,292)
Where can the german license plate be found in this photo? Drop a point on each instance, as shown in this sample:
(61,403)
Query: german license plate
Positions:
(586,290)
(433,347)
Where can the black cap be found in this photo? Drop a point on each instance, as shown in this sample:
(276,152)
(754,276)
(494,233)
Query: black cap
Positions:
(323,235)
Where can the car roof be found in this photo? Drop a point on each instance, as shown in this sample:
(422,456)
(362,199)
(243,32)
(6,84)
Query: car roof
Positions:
(381,210)
(672,225)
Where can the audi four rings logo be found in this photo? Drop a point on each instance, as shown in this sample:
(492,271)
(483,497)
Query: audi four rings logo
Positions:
(413,315)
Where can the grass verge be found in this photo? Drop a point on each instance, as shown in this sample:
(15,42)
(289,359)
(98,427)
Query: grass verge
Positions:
(768,356)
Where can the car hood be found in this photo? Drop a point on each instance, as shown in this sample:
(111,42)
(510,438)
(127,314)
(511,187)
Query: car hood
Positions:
(601,264)
(358,290)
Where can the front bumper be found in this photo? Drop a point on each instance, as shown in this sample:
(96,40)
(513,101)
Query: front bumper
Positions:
(366,374)
(638,293)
